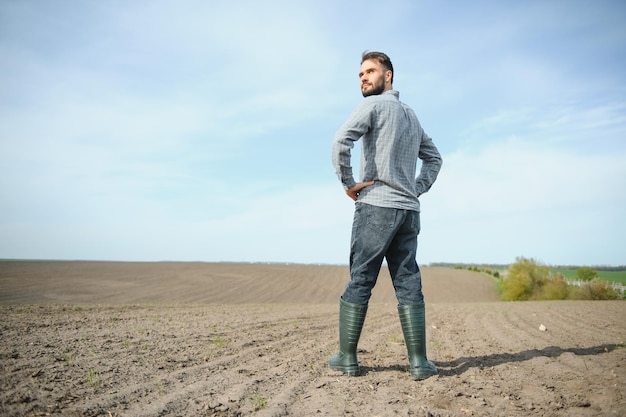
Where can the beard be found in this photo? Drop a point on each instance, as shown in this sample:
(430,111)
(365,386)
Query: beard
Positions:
(375,89)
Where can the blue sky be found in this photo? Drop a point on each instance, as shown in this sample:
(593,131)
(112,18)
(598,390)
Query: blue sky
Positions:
(201,130)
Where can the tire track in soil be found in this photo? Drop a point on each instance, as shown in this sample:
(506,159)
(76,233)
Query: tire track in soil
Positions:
(258,351)
(531,371)
(287,401)
(258,342)
(297,375)
(308,386)
(508,375)
(278,379)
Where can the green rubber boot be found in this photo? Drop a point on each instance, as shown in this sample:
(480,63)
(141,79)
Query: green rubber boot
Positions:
(413,321)
(351,318)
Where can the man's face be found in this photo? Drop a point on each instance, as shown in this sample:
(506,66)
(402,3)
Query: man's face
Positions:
(372,76)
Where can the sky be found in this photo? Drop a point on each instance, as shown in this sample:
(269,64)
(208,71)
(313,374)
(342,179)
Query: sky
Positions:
(202,130)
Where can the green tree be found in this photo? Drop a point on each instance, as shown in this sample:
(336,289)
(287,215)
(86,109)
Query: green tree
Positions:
(524,280)
(596,290)
(555,289)
(585,273)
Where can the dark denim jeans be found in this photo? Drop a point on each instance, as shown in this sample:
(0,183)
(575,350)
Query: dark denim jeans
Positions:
(378,233)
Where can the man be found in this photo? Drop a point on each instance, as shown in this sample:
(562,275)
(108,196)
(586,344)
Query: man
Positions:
(386,217)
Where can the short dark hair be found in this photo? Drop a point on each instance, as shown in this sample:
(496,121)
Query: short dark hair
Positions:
(381,58)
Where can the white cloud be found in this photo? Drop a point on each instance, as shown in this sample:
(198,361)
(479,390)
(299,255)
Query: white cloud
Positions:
(523,199)
(587,127)
(310,225)
(517,176)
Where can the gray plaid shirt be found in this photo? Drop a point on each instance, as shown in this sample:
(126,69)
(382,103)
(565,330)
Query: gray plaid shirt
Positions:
(393,141)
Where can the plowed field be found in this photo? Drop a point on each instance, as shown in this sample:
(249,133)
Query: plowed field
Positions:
(186,339)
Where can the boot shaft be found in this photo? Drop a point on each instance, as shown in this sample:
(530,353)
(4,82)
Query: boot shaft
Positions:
(351,319)
(413,321)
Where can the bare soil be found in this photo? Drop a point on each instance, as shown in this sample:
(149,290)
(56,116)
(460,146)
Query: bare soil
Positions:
(201,339)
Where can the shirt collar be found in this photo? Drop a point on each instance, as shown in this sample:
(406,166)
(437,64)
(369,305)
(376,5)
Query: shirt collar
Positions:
(392,92)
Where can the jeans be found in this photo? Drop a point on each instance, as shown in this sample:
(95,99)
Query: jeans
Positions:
(378,233)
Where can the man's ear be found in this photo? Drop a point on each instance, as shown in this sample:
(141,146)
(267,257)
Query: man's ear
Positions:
(388,75)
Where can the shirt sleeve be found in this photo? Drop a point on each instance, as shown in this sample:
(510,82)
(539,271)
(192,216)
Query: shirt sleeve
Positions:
(352,130)
(431,165)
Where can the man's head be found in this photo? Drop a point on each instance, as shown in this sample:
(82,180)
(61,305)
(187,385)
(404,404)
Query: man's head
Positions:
(376,73)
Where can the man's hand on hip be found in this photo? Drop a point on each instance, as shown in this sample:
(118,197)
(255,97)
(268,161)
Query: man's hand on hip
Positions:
(354,192)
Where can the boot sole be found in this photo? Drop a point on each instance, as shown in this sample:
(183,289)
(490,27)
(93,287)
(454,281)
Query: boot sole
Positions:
(418,376)
(348,370)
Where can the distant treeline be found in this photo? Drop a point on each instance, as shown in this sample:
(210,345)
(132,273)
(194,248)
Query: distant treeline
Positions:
(467,266)
(505,266)
(594,267)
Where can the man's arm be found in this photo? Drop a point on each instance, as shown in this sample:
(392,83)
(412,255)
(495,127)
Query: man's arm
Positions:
(431,165)
(342,149)
(352,130)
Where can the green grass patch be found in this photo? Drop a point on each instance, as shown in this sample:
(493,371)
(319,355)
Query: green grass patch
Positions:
(611,276)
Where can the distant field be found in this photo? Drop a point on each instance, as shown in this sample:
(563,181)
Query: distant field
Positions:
(613,276)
